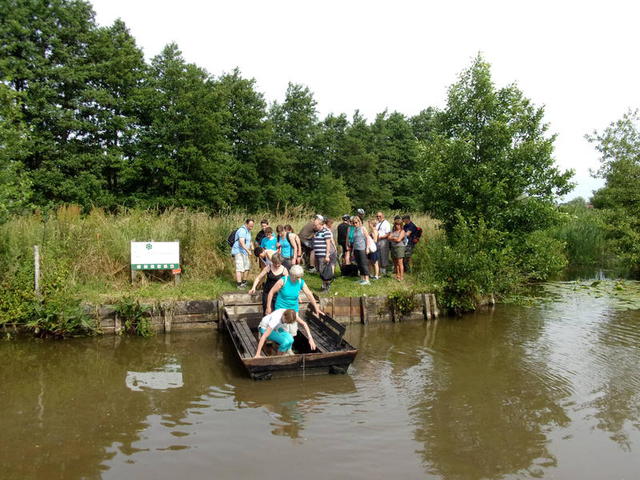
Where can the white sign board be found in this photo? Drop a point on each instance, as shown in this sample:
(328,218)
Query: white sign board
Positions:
(155,255)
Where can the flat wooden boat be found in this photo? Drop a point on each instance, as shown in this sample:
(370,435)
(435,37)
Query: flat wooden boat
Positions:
(241,315)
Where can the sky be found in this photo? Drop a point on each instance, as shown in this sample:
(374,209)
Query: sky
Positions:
(577,59)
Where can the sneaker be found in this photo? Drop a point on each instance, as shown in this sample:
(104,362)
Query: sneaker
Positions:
(364,282)
(312,270)
(239,286)
(375,278)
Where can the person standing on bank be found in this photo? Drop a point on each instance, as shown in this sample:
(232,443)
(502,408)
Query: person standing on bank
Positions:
(294,240)
(410,230)
(287,290)
(343,231)
(280,327)
(285,248)
(240,252)
(397,240)
(361,249)
(323,249)
(306,238)
(374,255)
(384,229)
(274,272)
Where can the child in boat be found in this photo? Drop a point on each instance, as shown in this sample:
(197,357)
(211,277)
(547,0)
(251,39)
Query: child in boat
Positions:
(280,327)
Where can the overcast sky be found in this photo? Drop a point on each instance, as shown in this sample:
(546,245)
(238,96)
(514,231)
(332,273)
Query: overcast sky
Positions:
(578,59)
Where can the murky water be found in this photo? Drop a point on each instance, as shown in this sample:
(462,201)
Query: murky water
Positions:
(551,391)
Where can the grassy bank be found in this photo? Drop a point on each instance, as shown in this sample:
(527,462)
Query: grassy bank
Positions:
(85,258)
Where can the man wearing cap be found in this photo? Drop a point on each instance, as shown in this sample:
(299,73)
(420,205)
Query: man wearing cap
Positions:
(384,229)
(343,230)
(306,238)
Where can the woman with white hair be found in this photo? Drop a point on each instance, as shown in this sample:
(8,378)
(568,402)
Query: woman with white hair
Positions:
(287,290)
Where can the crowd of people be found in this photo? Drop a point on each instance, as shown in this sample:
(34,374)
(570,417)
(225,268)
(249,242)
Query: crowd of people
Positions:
(368,248)
(364,248)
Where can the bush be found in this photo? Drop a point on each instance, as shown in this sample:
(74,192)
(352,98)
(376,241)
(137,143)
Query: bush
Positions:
(469,264)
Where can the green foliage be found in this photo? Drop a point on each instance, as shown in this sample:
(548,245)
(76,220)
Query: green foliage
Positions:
(54,313)
(490,158)
(583,231)
(135,316)
(539,255)
(402,301)
(619,147)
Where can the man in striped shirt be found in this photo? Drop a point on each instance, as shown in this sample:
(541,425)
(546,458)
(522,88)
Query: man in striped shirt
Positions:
(323,250)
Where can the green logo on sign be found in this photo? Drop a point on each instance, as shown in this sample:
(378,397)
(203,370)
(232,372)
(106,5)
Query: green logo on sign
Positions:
(149,246)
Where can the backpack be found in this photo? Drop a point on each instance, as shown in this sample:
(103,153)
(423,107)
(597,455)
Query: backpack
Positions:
(415,238)
(231,239)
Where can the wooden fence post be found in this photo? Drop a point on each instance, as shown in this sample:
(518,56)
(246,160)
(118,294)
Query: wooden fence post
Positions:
(36,262)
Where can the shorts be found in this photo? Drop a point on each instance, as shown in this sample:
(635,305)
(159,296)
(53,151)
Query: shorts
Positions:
(242,262)
(408,250)
(374,256)
(397,252)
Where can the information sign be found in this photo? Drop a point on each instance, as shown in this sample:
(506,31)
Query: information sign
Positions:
(155,256)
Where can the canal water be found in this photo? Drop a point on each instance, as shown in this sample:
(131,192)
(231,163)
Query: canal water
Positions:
(551,391)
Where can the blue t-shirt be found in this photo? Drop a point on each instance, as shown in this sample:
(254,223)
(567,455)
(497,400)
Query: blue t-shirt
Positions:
(287,251)
(269,243)
(288,294)
(242,232)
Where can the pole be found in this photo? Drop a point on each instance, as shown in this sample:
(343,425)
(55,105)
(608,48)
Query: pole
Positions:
(36,264)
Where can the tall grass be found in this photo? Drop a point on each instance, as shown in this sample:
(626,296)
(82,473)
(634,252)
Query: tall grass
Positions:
(93,249)
(584,232)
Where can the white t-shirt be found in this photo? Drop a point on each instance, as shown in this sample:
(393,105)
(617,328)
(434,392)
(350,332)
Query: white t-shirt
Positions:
(383,228)
(274,321)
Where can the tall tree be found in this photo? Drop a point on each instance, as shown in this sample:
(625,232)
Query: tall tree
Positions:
(183,157)
(257,162)
(491,158)
(15,188)
(358,166)
(109,104)
(397,151)
(296,128)
(44,57)
(619,148)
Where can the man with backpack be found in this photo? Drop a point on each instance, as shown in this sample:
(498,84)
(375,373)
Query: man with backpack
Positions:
(413,234)
(240,250)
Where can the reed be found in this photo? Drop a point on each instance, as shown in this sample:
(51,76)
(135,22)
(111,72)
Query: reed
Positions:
(93,249)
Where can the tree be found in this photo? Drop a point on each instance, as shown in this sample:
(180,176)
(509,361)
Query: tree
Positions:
(619,148)
(182,157)
(118,69)
(396,147)
(259,178)
(358,166)
(491,158)
(44,58)
(296,129)
(15,187)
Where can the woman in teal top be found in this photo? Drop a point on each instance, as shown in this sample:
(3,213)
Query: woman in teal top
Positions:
(287,250)
(288,289)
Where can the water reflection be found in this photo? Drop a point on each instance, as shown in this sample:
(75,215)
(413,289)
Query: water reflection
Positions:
(513,393)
